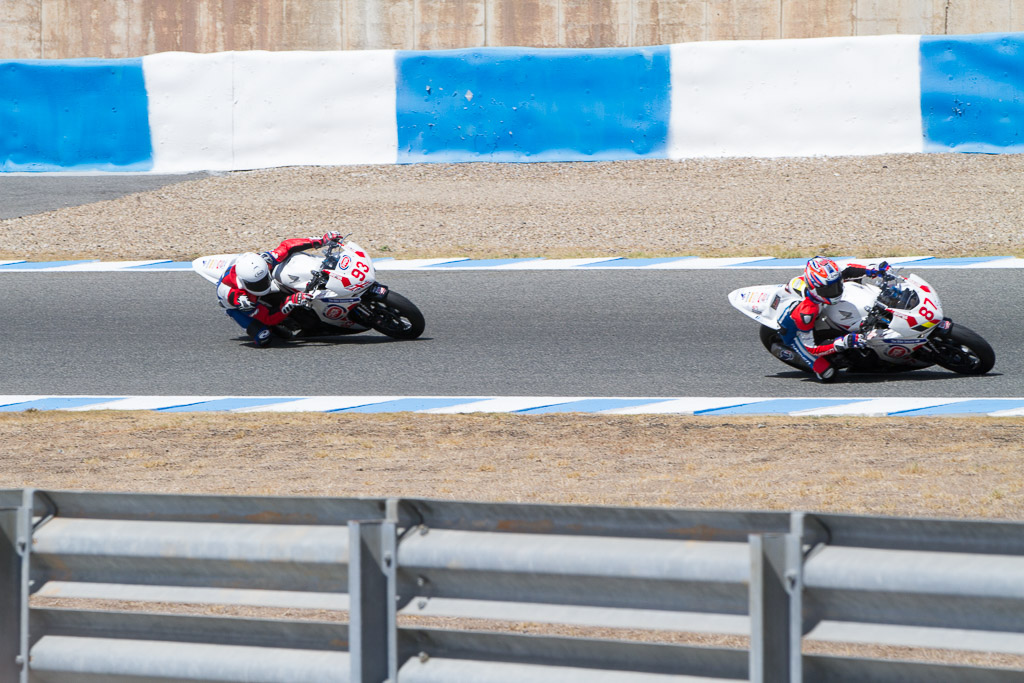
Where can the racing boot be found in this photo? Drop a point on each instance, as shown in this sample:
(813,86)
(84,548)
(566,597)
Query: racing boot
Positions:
(824,371)
(288,329)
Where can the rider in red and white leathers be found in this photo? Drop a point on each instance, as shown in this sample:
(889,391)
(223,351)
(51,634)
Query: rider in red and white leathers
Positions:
(823,286)
(246,289)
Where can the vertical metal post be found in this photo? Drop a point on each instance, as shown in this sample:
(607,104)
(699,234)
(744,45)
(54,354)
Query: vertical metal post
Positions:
(15,535)
(774,608)
(373,618)
(804,531)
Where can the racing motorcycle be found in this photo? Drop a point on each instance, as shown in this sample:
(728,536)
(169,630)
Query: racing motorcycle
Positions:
(347,299)
(901,318)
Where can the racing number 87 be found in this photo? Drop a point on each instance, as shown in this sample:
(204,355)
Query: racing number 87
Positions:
(925,312)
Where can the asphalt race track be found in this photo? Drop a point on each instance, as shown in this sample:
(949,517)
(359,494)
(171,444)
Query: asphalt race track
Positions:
(599,333)
(23,195)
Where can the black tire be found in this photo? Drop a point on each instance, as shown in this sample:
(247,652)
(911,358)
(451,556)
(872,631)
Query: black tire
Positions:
(395,316)
(770,337)
(963,351)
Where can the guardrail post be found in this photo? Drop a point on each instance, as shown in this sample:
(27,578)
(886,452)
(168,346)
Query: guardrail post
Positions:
(15,534)
(373,617)
(775,609)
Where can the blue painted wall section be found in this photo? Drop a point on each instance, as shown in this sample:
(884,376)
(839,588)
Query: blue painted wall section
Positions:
(74,114)
(519,104)
(972,93)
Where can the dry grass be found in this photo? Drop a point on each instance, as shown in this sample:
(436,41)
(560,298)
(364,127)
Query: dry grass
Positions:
(955,467)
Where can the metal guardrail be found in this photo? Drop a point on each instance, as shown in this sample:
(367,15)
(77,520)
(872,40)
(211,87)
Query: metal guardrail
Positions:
(781,578)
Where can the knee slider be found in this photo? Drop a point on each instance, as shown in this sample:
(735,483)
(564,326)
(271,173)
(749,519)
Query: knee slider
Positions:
(260,333)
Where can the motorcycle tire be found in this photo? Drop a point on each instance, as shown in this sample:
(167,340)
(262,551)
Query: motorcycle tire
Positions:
(395,316)
(770,337)
(963,351)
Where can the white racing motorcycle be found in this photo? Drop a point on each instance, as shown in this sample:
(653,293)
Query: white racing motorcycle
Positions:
(901,317)
(347,299)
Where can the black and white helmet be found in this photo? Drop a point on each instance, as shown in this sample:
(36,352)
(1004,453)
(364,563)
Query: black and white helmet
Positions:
(253,274)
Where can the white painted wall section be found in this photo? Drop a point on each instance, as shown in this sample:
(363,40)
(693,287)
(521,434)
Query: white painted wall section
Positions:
(243,110)
(314,108)
(190,102)
(787,98)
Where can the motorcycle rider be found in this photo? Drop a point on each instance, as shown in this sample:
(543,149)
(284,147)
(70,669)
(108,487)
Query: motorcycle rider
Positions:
(823,286)
(246,288)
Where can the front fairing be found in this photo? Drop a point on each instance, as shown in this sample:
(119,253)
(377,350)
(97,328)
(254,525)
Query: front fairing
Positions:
(353,272)
(922,313)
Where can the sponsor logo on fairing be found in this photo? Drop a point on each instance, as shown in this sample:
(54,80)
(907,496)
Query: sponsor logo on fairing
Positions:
(334,312)
(345,260)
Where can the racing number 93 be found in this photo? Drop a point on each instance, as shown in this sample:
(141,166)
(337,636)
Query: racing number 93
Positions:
(360,269)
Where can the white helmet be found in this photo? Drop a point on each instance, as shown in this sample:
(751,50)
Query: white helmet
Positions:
(253,274)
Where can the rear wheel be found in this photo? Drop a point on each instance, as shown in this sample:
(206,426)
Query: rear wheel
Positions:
(395,316)
(963,351)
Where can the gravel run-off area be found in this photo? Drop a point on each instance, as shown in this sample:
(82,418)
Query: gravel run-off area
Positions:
(925,204)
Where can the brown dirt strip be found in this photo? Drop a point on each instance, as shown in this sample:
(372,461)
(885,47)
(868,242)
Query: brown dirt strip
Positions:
(954,467)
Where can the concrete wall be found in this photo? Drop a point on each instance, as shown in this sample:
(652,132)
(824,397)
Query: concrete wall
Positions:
(55,29)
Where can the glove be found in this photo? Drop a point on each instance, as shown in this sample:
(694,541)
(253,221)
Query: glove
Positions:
(269,258)
(880,269)
(329,236)
(245,303)
(296,299)
(850,341)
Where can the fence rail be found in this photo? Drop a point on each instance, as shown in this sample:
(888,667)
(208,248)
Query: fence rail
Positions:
(780,578)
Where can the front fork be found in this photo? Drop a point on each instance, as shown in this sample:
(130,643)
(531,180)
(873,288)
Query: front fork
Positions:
(362,314)
(943,329)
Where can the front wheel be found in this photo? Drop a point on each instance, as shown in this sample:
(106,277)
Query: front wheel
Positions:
(963,351)
(395,316)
